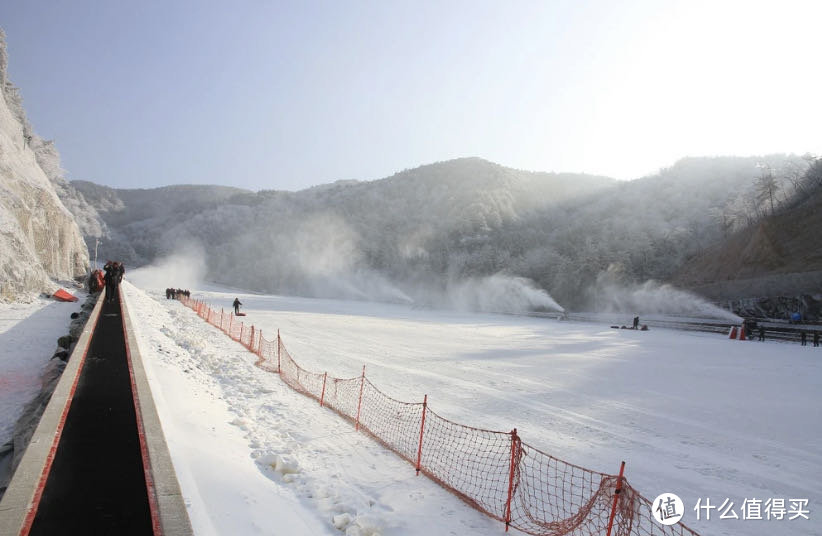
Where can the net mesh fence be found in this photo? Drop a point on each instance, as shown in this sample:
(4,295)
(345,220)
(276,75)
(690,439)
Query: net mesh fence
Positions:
(495,472)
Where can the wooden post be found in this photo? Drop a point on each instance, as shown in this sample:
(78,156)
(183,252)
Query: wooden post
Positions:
(221,318)
(322,395)
(422,428)
(230,322)
(278,352)
(251,340)
(617,491)
(359,404)
(242,327)
(514,460)
(260,344)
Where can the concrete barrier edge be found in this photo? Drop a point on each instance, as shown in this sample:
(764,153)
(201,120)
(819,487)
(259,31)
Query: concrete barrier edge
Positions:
(29,477)
(173,515)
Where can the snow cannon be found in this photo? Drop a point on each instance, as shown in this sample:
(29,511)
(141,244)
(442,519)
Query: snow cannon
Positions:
(737,333)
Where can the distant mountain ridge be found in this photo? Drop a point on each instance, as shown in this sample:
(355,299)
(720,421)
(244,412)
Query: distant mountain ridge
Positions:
(417,234)
(468,192)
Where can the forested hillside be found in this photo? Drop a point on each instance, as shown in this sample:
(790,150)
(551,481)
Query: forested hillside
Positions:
(451,230)
(779,253)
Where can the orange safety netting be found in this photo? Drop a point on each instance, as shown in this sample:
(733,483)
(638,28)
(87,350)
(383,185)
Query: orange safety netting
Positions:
(495,472)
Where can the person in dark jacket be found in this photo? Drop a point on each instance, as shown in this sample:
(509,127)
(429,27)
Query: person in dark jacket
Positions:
(111,280)
(237,304)
(804,338)
(761,333)
(816,338)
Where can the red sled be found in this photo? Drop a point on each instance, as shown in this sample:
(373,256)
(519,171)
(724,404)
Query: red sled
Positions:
(239,314)
(62,295)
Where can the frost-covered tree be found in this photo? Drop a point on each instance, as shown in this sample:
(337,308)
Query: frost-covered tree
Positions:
(766,188)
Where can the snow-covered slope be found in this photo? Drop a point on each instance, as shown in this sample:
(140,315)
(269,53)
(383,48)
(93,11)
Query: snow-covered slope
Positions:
(39,238)
(691,413)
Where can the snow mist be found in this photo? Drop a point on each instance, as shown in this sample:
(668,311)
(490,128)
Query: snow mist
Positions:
(499,293)
(327,254)
(651,297)
(184,269)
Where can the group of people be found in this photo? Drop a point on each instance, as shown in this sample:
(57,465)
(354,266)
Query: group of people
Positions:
(175,293)
(803,337)
(749,325)
(114,272)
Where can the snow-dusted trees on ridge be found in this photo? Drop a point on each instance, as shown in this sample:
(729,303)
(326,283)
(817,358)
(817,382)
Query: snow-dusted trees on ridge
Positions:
(424,230)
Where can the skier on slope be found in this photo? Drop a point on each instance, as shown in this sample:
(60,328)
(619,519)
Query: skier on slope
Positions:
(237,304)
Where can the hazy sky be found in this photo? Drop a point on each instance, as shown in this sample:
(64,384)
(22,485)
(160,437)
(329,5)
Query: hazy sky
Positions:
(285,95)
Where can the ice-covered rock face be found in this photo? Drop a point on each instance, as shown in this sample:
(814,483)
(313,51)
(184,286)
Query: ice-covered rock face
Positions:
(39,238)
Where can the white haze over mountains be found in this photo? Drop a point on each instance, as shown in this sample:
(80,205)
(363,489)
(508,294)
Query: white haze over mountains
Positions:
(465,234)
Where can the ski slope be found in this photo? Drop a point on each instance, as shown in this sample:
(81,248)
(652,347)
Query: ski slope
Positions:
(693,414)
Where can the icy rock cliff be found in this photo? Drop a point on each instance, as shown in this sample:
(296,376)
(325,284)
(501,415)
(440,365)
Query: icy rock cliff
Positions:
(39,238)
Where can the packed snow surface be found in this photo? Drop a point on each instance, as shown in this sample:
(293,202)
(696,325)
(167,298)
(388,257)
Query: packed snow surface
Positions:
(694,414)
(28,339)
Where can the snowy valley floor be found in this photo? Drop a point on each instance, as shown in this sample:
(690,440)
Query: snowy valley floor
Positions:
(694,414)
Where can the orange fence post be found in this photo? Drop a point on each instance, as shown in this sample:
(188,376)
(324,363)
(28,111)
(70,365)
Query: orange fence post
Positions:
(322,395)
(242,327)
(514,460)
(251,340)
(617,491)
(260,344)
(221,319)
(422,427)
(230,321)
(278,352)
(359,404)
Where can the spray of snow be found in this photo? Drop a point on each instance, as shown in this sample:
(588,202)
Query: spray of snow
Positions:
(499,293)
(328,257)
(183,269)
(651,297)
